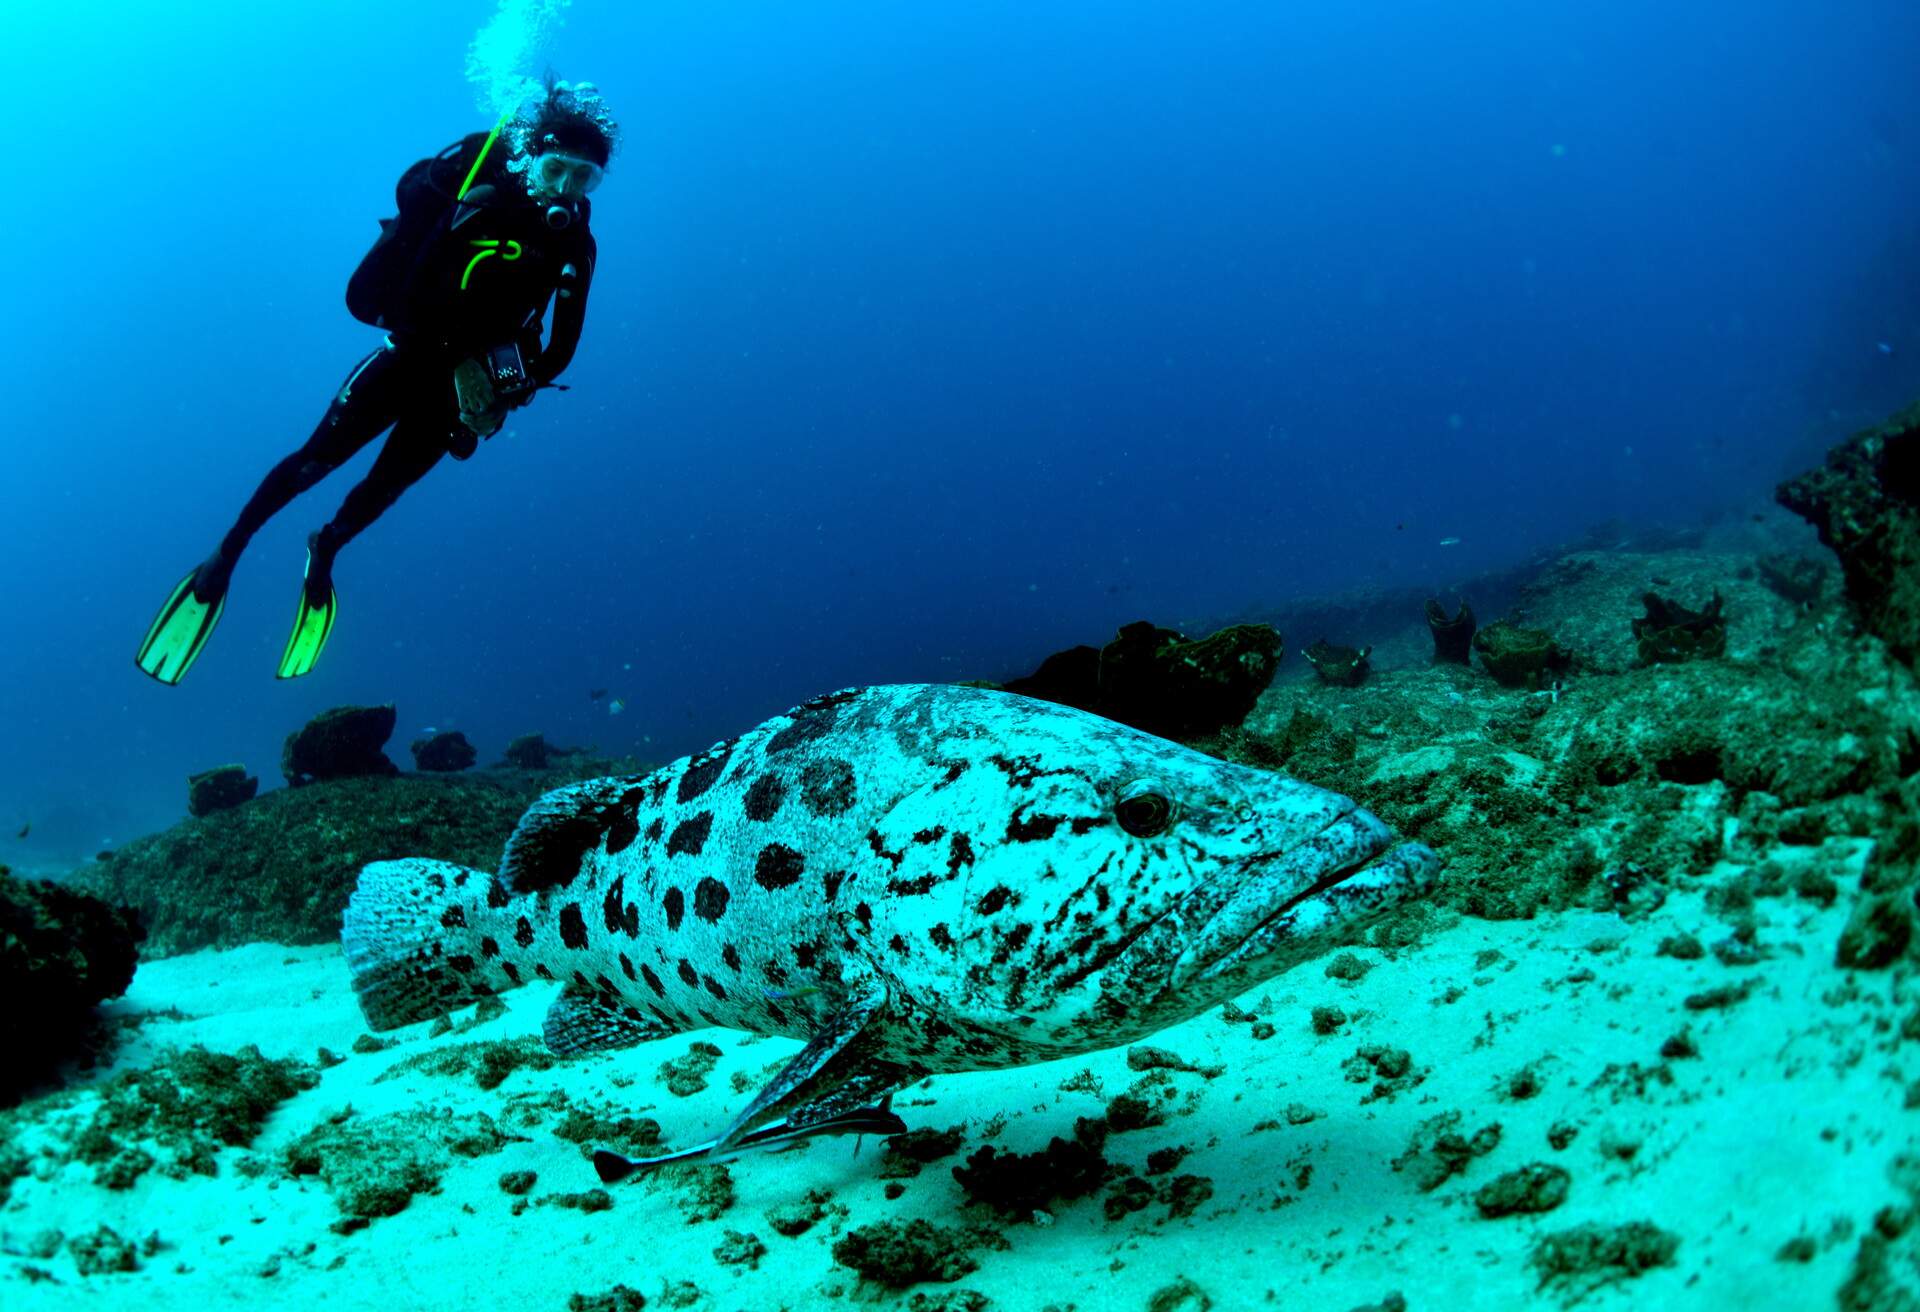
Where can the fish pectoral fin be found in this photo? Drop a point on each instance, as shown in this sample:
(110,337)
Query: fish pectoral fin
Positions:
(580,1023)
(837,1072)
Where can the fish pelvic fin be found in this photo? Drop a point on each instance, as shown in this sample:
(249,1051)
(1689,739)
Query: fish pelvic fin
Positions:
(413,933)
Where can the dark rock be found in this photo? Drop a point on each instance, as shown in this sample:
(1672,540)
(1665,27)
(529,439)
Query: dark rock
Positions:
(1536,1187)
(340,744)
(1345,666)
(1452,638)
(1019,1184)
(528,752)
(1517,657)
(443,753)
(61,952)
(899,1256)
(1670,633)
(1865,503)
(1160,681)
(220,789)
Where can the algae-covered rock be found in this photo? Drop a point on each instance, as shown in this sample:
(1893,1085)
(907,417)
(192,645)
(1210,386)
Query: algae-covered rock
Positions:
(1518,657)
(1670,633)
(61,952)
(1587,1257)
(900,1256)
(189,1104)
(1799,579)
(528,752)
(1865,503)
(1452,635)
(1534,1188)
(103,1252)
(340,744)
(443,753)
(1161,681)
(489,1062)
(374,1165)
(1345,666)
(220,789)
(280,869)
(1019,1184)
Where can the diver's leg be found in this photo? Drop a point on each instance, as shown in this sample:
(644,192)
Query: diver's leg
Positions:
(415,446)
(366,404)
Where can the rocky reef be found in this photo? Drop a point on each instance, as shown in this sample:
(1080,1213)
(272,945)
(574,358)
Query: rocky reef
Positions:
(342,743)
(1160,680)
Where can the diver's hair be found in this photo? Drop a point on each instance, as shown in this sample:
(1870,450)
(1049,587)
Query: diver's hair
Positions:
(564,116)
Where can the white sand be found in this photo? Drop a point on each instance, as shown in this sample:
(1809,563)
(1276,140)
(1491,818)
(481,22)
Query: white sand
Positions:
(1783,1126)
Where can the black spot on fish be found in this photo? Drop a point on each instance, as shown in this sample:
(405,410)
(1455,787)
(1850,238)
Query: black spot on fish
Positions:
(436,881)
(542,971)
(688,974)
(942,938)
(462,963)
(804,955)
(653,980)
(959,853)
(773,1010)
(994,899)
(764,797)
(932,835)
(623,821)
(954,771)
(654,827)
(832,883)
(523,932)
(512,971)
(1021,771)
(898,944)
(864,914)
(675,905)
(454,917)
(710,899)
(626,967)
(1012,943)
(582,982)
(497,895)
(690,835)
(489,947)
(703,771)
(1027,829)
(731,956)
(713,987)
(879,847)
(812,720)
(915,887)
(613,908)
(826,787)
(573,926)
(776,973)
(1080,824)
(777,866)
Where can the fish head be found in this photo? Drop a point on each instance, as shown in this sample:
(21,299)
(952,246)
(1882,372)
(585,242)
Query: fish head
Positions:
(1119,882)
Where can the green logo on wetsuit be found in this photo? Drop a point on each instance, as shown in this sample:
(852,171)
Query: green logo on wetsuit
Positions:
(490,246)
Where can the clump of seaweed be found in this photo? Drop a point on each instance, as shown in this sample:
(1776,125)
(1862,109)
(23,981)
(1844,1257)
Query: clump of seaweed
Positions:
(1518,657)
(1587,1257)
(900,1256)
(374,1165)
(1670,633)
(490,1062)
(1017,1185)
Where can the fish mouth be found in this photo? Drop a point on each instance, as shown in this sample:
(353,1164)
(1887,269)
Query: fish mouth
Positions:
(1347,874)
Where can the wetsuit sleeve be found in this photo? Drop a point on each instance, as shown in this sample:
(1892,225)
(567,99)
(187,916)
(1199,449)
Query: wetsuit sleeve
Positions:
(569,316)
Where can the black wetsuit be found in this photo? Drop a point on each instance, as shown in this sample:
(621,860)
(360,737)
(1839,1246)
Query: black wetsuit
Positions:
(479,276)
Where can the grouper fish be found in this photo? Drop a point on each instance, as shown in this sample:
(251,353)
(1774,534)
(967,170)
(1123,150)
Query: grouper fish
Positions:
(911,879)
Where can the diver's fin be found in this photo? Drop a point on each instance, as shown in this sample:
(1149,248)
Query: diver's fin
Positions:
(179,632)
(579,1023)
(312,622)
(835,1074)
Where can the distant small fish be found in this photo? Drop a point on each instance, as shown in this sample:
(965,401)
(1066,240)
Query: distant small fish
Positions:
(25,829)
(429,729)
(616,706)
(777,1137)
(595,694)
(1449,542)
(1885,348)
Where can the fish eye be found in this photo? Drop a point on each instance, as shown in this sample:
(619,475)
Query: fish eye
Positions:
(1144,814)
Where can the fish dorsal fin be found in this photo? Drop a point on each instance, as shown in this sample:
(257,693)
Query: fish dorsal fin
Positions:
(560,828)
(580,1023)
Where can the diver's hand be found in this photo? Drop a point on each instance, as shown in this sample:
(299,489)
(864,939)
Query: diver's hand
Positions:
(480,408)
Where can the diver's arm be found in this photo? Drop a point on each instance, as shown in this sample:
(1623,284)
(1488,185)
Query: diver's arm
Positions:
(569,316)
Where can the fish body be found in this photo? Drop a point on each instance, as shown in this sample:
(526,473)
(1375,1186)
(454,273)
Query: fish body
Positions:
(910,879)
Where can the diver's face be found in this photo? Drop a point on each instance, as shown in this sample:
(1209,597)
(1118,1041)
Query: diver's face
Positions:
(554,176)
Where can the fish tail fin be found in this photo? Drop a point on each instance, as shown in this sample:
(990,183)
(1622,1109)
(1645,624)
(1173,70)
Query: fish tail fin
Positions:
(613,1168)
(412,932)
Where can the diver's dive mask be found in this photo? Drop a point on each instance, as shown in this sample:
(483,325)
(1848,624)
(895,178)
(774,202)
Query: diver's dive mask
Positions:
(556,174)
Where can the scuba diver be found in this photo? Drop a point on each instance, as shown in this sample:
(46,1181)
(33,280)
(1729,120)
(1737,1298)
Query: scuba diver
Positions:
(489,231)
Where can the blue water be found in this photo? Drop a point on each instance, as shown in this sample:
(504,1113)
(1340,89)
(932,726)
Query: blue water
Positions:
(926,339)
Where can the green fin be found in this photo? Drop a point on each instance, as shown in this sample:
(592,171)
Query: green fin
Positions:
(311,625)
(179,632)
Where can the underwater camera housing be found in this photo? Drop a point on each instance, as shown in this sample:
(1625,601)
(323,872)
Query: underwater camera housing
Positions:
(507,367)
